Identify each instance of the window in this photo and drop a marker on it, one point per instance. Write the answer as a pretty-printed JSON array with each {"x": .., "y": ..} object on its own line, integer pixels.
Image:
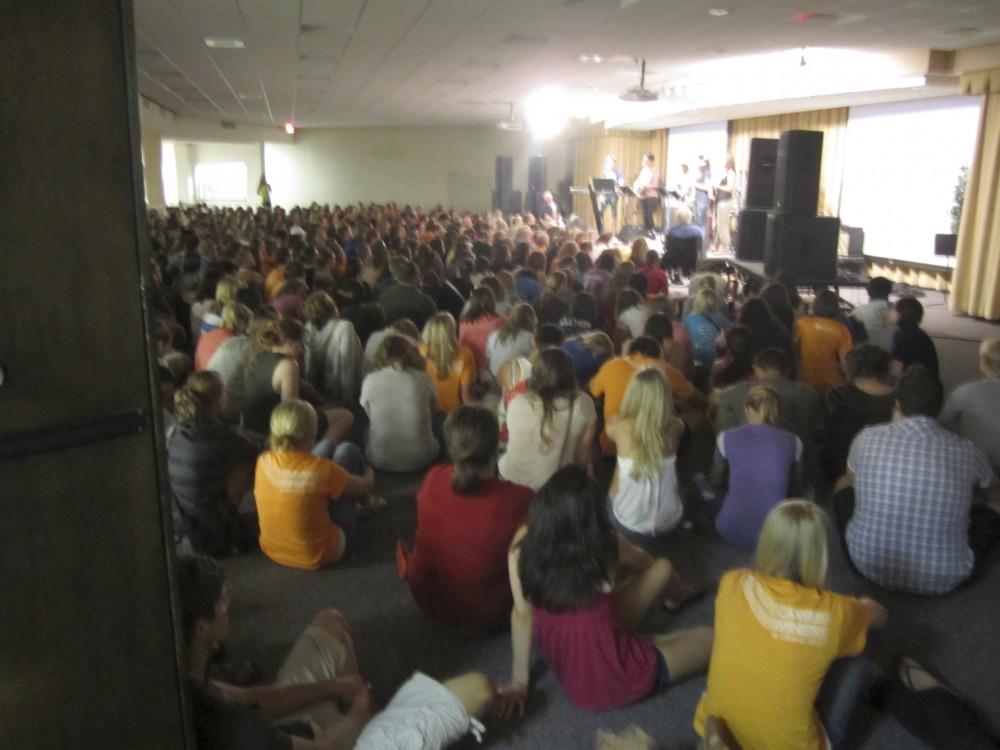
[{"x": 222, "y": 182}]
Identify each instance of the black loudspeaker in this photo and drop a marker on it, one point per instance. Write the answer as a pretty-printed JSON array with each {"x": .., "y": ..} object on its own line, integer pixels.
[
  {"x": 536, "y": 174},
  {"x": 504, "y": 175},
  {"x": 796, "y": 185},
  {"x": 945, "y": 245},
  {"x": 804, "y": 247},
  {"x": 760, "y": 174},
  {"x": 513, "y": 203},
  {"x": 751, "y": 234}
]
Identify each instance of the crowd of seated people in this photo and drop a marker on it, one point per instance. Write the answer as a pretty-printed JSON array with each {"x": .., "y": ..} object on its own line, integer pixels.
[{"x": 566, "y": 406}]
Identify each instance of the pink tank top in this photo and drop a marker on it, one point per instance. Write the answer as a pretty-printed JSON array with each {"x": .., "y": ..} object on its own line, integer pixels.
[{"x": 599, "y": 663}]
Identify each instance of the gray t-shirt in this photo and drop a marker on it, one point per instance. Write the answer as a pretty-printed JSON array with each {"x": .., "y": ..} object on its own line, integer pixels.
[
  {"x": 399, "y": 403},
  {"x": 971, "y": 411},
  {"x": 877, "y": 319}
]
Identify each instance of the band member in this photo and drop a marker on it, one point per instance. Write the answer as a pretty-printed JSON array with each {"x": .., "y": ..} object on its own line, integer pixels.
[
  {"x": 646, "y": 187},
  {"x": 685, "y": 186},
  {"x": 724, "y": 194},
  {"x": 702, "y": 192},
  {"x": 549, "y": 214},
  {"x": 604, "y": 200}
]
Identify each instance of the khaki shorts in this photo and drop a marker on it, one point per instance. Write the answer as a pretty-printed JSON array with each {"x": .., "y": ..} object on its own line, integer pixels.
[{"x": 316, "y": 656}]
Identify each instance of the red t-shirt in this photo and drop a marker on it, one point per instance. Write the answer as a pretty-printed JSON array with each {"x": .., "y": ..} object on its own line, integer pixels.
[
  {"x": 458, "y": 568},
  {"x": 656, "y": 280}
]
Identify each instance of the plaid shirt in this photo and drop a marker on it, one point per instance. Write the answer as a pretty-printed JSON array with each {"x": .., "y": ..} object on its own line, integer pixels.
[{"x": 913, "y": 490}]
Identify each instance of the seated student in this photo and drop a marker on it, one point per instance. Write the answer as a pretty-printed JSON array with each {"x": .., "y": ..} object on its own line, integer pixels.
[
  {"x": 906, "y": 505},
  {"x": 631, "y": 312},
  {"x": 764, "y": 464},
  {"x": 684, "y": 241},
  {"x": 404, "y": 298},
  {"x": 866, "y": 399},
  {"x": 736, "y": 363},
  {"x": 589, "y": 351},
  {"x": 876, "y": 314},
  {"x": 550, "y": 426},
  {"x": 931, "y": 711},
  {"x": 782, "y": 673},
  {"x": 234, "y": 321},
  {"x": 209, "y": 464},
  {"x": 515, "y": 375},
  {"x": 613, "y": 378},
  {"x": 307, "y": 504},
  {"x": 319, "y": 700},
  {"x": 582, "y": 315},
  {"x": 478, "y": 322},
  {"x": 822, "y": 342},
  {"x": 399, "y": 397},
  {"x": 334, "y": 357},
  {"x": 452, "y": 368},
  {"x": 645, "y": 498},
  {"x": 515, "y": 339},
  {"x": 705, "y": 324},
  {"x": 466, "y": 518},
  {"x": 972, "y": 408},
  {"x": 768, "y": 332},
  {"x": 656, "y": 279},
  {"x": 678, "y": 353},
  {"x": 562, "y": 577},
  {"x": 404, "y": 327},
  {"x": 910, "y": 344}
]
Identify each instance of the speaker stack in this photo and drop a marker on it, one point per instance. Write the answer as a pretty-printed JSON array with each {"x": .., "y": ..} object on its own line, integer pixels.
[
  {"x": 505, "y": 198},
  {"x": 752, "y": 231},
  {"x": 536, "y": 184}
]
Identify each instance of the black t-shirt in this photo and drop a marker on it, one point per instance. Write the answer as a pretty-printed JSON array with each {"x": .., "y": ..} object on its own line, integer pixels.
[
  {"x": 911, "y": 346},
  {"x": 400, "y": 301},
  {"x": 849, "y": 410},
  {"x": 222, "y": 725}
]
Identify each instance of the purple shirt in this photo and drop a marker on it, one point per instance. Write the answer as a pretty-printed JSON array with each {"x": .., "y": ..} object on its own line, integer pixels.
[{"x": 761, "y": 458}]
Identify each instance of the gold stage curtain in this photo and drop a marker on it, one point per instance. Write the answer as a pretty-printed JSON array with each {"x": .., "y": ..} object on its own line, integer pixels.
[
  {"x": 832, "y": 123},
  {"x": 628, "y": 148},
  {"x": 976, "y": 285}
]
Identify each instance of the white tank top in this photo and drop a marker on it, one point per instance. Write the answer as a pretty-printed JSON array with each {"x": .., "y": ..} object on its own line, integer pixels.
[{"x": 648, "y": 505}]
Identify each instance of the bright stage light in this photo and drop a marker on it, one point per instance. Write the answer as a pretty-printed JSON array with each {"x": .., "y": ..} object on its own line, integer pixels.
[
  {"x": 547, "y": 110},
  {"x": 289, "y": 128}
]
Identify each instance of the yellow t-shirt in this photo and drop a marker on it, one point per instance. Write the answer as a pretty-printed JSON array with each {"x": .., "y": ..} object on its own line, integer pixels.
[
  {"x": 293, "y": 492},
  {"x": 273, "y": 283},
  {"x": 612, "y": 380},
  {"x": 774, "y": 642},
  {"x": 449, "y": 390},
  {"x": 822, "y": 342}
]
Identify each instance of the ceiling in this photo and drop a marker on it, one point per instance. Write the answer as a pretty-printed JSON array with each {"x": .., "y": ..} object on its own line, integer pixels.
[{"x": 423, "y": 62}]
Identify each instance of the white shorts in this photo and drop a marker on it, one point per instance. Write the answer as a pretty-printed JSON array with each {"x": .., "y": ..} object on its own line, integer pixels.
[{"x": 422, "y": 715}]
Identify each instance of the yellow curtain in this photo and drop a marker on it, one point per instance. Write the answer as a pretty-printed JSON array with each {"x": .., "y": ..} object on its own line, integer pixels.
[
  {"x": 976, "y": 283},
  {"x": 832, "y": 123},
  {"x": 628, "y": 148}
]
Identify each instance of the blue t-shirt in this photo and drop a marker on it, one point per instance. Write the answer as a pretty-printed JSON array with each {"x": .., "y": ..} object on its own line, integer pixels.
[
  {"x": 704, "y": 330},
  {"x": 586, "y": 362},
  {"x": 527, "y": 287},
  {"x": 760, "y": 460}
]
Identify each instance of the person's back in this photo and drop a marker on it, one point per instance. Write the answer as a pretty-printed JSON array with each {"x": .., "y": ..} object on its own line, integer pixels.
[
  {"x": 257, "y": 390},
  {"x": 876, "y": 314},
  {"x": 971, "y": 410},
  {"x": 910, "y": 343},
  {"x": 822, "y": 344},
  {"x": 334, "y": 359},
  {"x": 398, "y": 402}
]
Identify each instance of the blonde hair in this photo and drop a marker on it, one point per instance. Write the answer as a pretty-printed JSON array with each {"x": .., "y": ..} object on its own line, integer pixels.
[
  {"x": 320, "y": 309},
  {"x": 293, "y": 425},
  {"x": 793, "y": 544},
  {"x": 236, "y": 317},
  {"x": 441, "y": 342},
  {"x": 194, "y": 402},
  {"x": 225, "y": 290},
  {"x": 766, "y": 402},
  {"x": 649, "y": 404},
  {"x": 704, "y": 302},
  {"x": 989, "y": 353},
  {"x": 522, "y": 318}
]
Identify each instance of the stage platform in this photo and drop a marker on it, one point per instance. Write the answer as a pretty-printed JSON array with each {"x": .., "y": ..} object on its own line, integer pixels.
[{"x": 850, "y": 271}]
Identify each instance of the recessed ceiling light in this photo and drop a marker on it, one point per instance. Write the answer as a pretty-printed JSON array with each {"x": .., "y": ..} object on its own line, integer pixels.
[
  {"x": 249, "y": 97},
  {"x": 585, "y": 58},
  {"x": 224, "y": 42},
  {"x": 718, "y": 12}
]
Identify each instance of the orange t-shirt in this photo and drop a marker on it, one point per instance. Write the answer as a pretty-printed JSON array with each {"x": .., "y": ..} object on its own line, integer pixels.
[
  {"x": 272, "y": 285},
  {"x": 449, "y": 390},
  {"x": 293, "y": 491},
  {"x": 822, "y": 343},
  {"x": 774, "y": 643},
  {"x": 612, "y": 380}
]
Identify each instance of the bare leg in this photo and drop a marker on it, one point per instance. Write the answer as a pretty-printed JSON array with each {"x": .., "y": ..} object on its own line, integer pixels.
[
  {"x": 648, "y": 587},
  {"x": 339, "y": 423},
  {"x": 686, "y": 651},
  {"x": 474, "y": 690}
]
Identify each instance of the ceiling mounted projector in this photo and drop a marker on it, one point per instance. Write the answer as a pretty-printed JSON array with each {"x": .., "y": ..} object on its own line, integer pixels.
[
  {"x": 640, "y": 93},
  {"x": 511, "y": 123}
]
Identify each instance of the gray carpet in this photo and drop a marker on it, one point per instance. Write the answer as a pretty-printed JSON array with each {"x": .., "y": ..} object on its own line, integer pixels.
[{"x": 957, "y": 635}]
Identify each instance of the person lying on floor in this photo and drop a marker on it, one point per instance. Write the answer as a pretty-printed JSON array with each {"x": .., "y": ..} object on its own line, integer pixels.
[
  {"x": 787, "y": 667},
  {"x": 561, "y": 568},
  {"x": 319, "y": 700},
  {"x": 466, "y": 518}
]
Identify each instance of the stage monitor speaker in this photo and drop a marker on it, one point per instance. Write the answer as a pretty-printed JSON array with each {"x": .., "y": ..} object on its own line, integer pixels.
[
  {"x": 803, "y": 247},
  {"x": 760, "y": 174},
  {"x": 751, "y": 234},
  {"x": 536, "y": 174},
  {"x": 504, "y": 175},
  {"x": 945, "y": 245},
  {"x": 796, "y": 185}
]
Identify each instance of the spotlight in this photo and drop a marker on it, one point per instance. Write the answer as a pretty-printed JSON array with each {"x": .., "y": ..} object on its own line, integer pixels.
[{"x": 289, "y": 128}]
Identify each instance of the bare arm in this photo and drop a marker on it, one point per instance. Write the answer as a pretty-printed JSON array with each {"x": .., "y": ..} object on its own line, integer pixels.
[
  {"x": 281, "y": 701},
  {"x": 877, "y": 614},
  {"x": 583, "y": 448},
  {"x": 358, "y": 486},
  {"x": 467, "y": 393},
  {"x": 285, "y": 379},
  {"x": 511, "y": 697}
]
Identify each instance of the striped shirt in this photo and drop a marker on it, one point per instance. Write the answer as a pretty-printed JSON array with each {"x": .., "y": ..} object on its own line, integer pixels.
[{"x": 913, "y": 489}]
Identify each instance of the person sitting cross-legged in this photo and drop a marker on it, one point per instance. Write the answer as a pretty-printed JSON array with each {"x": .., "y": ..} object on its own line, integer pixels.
[
  {"x": 319, "y": 700},
  {"x": 907, "y": 506},
  {"x": 971, "y": 410}
]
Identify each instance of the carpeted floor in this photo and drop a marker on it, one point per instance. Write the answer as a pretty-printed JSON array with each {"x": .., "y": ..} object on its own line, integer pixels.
[{"x": 958, "y": 635}]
